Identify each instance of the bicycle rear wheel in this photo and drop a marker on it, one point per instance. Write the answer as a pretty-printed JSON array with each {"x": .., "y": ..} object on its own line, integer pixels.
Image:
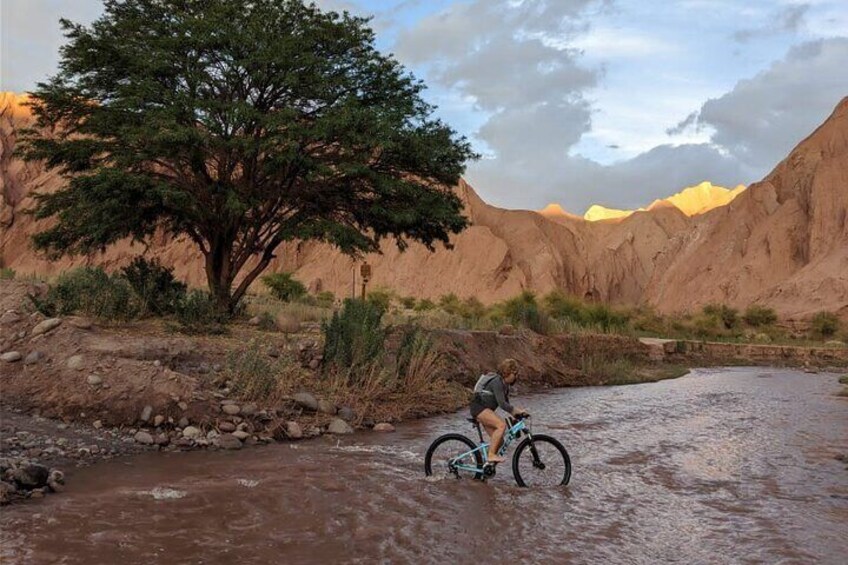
[
  {"x": 446, "y": 450},
  {"x": 542, "y": 461}
]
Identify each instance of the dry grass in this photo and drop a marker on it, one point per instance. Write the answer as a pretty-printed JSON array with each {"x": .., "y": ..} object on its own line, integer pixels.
[
  {"x": 300, "y": 312},
  {"x": 625, "y": 372}
]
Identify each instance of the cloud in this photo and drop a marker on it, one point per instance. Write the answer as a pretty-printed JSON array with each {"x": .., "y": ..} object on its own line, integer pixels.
[
  {"x": 788, "y": 20},
  {"x": 762, "y": 118}
]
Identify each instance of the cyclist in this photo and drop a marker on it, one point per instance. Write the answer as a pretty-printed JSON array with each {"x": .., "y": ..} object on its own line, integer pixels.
[{"x": 490, "y": 393}]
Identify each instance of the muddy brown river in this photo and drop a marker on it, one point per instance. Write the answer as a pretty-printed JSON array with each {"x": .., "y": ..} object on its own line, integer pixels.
[{"x": 720, "y": 466}]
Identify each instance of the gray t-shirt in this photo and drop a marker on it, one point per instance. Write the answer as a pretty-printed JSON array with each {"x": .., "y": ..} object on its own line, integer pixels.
[{"x": 492, "y": 392}]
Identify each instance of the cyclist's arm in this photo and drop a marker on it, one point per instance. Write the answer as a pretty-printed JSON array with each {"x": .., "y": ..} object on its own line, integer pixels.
[{"x": 499, "y": 391}]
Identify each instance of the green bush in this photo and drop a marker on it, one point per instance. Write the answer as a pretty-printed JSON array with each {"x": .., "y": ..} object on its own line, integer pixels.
[
  {"x": 354, "y": 336},
  {"x": 605, "y": 317},
  {"x": 407, "y": 302},
  {"x": 523, "y": 310},
  {"x": 424, "y": 305},
  {"x": 757, "y": 316},
  {"x": 197, "y": 313},
  {"x": 325, "y": 299},
  {"x": 154, "y": 285},
  {"x": 472, "y": 309},
  {"x": 284, "y": 287},
  {"x": 728, "y": 316},
  {"x": 380, "y": 298},
  {"x": 451, "y": 304},
  {"x": 825, "y": 324},
  {"x": 7, "y": 274},
  {"x": 252, "y": 375},
  {"x": 560, "y": 306},
  {"x": 90, "y": 291}
]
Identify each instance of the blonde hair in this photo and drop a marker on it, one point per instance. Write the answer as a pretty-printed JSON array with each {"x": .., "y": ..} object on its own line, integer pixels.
[{"x": 508, "y": 366}]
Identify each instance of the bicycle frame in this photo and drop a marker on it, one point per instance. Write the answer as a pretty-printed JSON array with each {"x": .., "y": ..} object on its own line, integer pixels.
[{"x": 511, "y": 434}]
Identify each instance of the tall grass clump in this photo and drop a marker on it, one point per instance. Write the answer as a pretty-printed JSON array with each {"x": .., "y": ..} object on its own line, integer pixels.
[
  {"x": 524, "y": 310},
  {"x": 353, "y": 337},
  {"x": 284, "y": 287},
  {"x": 7, "y": 274},
  {"x": 90, "y": 291},
  {"x": 381, "y": 299},
  {"x": 727, "y": 316},
  {"x": 197, "y": 313},
  {"x": 561, "y": 306},
  {"x": 758, "y": 316},
  {"x": 157, "y": 289},
  {"x": 825, "y": 325}
]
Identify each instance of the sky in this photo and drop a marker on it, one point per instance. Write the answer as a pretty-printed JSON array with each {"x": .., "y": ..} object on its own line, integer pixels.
[{"x": 577, "y": 102}]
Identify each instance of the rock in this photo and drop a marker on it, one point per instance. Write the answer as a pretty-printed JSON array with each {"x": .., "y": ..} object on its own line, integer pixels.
[
  {"x": 31, "y": 475},
  {"x": 10, "y": 317},
  {"x": 293, "y": 430},
  {"x": 94, "y": 380},
  {"x": 162, "y": 439},
  {"x": 226, "y": 427},
  {"x": 326, "y": 407},
  {"x": 146, "y": 413},
  {"x": 229, "y": 441},
  {"x": 182, "y": 406},
  {"x": 46, "y": 326},
  {"x": 80, "y": 323},
  {"x": 212, "y": 434},
  {"x": 75, "y": 362},
  {"x": 183, "y": 422},
  {"x": 191, "y": 432},
  {"x": 158, "y": 420},
  {"x": 97, "y": 424},
  {"x": 11, "y": 356},
  {"x": 254, "y": 321},
  {"x": 338, "y": 426},
  {"x": 7, "y": 491},
  {"x": 314, "y": 364},
  {"x": 249, "y": 409},
  {"x": 273, "y": 352},
  {"x": 241, "y": 434},
  {"x": 507, "y": 329},
  {"x": 347, "y": 414},
  {"x": 143, "y": 438},
  {"x": 384, "y": 427},
  {"x": 231, "y": 409},
  {"x": 306, "y": 400},
  {"x": 33, "y": 357}
]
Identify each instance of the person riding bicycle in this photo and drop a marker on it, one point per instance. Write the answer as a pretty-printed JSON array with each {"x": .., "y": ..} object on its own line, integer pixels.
[{"x": 490, "y": 393}]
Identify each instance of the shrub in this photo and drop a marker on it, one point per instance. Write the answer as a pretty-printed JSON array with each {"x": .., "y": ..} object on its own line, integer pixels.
[
  {"x": 424, "y": 305},
  {"x": 604, "y": 317},
  {"x": 472, "y": 309},
  {"x": 251, "y": 373},
  {"x": 325, "y": 299},
  {"x": 757, "y": 316},
  {"x": 407, "y": 302},
  {"x": 825, "y": 324},
  {"x": 523, "y": 310},
  {"x": 728, "y": 316},
  {"x": 197, "y": 313},
  {"x": 354, "y": 336},
  {"x": 451, "y": 304},
  {"x": 563, "y": 307},
  {"x": 7, "y": 274},
  {"x": 90, "y": 291},
  {"x": 284, "y": 287},
  {"x": 380, "y": 298},
  {"x": 157, "y": 289}
]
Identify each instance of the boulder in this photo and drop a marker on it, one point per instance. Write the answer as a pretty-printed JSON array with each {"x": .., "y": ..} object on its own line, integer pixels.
[
  {"x": 241, "y": 434},
  {"x": 75, "y": 362},
  {"x": 347, "y": 414},
  {"x": 326, "y": 407},
  {"x": 191, "y": 432},
  {"x": 231, "y": 409},
  {"x": 226, "y": 427},
  {"x": 11, "y": 357},
  {"x": 33, "y": 357},
  {"x": 143, "y": 438},
  {"x": 384, "y": 427},
  {"x": 228, "y": 441},
  {"x": 293, "y": 430},
  {"x": 158, "y": 420},
  {"x": 249, "y": 409},
  {"x": 10, "y": 317},
  {"x": 7, "y": 490},
  {"x": 46, "y": 326},
  {"x": 146, "y": 413},
  {"x": 94, "y": 380},
  {"x": 31, "y": 475},
  {"x": 339, "y": 427},
  {"x": 306, "y": 400}
]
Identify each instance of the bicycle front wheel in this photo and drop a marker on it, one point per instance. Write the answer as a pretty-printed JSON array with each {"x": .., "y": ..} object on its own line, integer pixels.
[
  {"x": 448, "y": 451},
  {"x": 541, "y": 461}
]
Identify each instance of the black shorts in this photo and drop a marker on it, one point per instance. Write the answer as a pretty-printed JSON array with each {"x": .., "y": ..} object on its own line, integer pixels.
[{"x": 476, "y": 407}]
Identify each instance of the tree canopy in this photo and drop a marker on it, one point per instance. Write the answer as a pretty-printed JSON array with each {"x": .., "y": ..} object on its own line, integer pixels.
[{"x": 240, "y": 125}]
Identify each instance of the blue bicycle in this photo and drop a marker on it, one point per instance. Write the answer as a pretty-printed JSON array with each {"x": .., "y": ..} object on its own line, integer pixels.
[{"x": 539, "y": 460}]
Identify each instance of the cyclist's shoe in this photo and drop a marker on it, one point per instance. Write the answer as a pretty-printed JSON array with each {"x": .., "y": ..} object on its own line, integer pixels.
[{"x": 494, "y": 459}]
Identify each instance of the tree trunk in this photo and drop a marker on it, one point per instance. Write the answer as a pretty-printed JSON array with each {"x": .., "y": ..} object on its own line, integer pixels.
[{"x": 219, "y": 277}]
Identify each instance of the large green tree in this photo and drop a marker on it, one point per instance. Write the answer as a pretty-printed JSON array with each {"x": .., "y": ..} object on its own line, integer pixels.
[{"x": 241, "y": 125}]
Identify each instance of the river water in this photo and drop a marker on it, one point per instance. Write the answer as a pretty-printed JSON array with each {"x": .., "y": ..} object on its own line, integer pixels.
[{"x": 720, "y": 466}]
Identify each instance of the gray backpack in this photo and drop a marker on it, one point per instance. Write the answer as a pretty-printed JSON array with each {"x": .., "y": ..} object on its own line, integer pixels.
[{"x": 483, "y": 382}]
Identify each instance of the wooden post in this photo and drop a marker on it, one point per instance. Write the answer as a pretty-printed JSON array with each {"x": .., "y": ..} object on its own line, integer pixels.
[{"x": 365, "y": 273}]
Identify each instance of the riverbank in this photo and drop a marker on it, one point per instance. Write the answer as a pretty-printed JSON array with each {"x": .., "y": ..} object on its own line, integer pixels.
[{"x": 75, "y": 391}]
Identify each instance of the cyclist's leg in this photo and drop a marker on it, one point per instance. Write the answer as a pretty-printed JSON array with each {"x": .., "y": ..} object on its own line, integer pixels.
[{"x": 495, "y": 427}]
